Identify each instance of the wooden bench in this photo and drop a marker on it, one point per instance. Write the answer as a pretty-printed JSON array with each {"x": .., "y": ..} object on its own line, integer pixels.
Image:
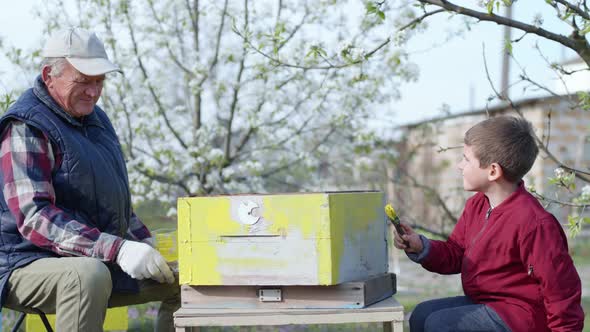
[{"x": 389, "y": 312}]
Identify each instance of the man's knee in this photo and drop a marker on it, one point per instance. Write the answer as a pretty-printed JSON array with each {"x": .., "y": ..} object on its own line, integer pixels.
[{"x": 90, "y": 275}]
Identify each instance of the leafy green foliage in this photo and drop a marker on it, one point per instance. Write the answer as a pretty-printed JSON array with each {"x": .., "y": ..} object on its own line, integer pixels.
[
  {"x": 584, "y": 97},
  {"x": 374, "y": 8},
  {"x": 5, "y": 102},
  {"x": 564, "y": 179}
]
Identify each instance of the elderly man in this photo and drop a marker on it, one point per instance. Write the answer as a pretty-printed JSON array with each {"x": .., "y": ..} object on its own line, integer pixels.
[{"x": 70, "y": 243}]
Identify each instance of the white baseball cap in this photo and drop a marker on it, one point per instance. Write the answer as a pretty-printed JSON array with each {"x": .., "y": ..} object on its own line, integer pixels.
[{"x": 83, "y": 50}]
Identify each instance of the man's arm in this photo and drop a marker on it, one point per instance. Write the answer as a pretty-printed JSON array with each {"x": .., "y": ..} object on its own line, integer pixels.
[
  {"x": 137, "y": 231},
  {"x": 27, "y": 161},
  {"x": 544, "y": 252}
]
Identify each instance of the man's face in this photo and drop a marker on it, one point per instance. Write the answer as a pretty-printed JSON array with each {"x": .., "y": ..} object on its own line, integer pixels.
[
  {"x": 475, "y": 178},
  {"x": 75, "y": 92}
]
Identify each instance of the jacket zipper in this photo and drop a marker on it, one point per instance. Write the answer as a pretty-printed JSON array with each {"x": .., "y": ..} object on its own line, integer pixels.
[{"x": 485, "y": 223}]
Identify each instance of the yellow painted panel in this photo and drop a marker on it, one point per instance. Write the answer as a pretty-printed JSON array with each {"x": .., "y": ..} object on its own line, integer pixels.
[
  {"x": 116, "y": 320},
  {"x": 360, "y": 225},
  {"x": 325, "y": 261},
  {"x": 286, "y": 239},
  {"x": 210, "y": 217},
  {"x": 184, "y": 241},
  {"x": 196, "y": 223},
  {"x": 304, "y": 213}
]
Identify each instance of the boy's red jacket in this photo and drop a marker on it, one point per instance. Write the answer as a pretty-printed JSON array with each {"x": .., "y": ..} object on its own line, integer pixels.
[{"x": 516, "y": 261}]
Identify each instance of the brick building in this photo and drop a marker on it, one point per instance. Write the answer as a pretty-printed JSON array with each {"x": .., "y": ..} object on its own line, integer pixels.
[{"x": 427, "y": 173}]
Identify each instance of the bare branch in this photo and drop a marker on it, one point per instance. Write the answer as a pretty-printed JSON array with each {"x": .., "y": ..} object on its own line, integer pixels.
[
  {"x": 582, "y": 175},
  {"x": 556, "y": 201},
  {"x": 300, "y": 159},
  {"x": 279, "y": 62},
  {"x": 501, "y": 95},
  {"x": 171, "y": 54},
  {"x": 163, "y": 179},
  {"x": 237, "y": 85},
  {"x": 193, "y": 13},
  {"x": 218, "y": 38},
  {"x": 575, "y": 9},
  {"x": 577, "y": 43},
  {"x": 432, "y": 191},
  {"x": 295, "y": 29},
  {"x": 160, "y": 106},
  {"x": 444, "y": 149}
]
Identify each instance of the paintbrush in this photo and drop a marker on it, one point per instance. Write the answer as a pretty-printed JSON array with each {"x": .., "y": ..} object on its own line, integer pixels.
[{"x": 392, "y": 216}]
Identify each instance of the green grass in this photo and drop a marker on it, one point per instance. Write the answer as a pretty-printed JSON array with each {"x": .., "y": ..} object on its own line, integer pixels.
[{"x": 580, "y": 251}]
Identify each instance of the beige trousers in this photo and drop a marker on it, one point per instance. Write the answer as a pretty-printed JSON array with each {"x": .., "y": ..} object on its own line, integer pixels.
[{"x": 78, "y": 291}]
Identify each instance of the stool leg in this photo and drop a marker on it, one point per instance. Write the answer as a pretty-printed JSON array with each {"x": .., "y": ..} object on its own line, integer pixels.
[
  {"x": 19, "y": 321},
  {"x": 45, "y": 322},
  {"x": 387, "y": 326}
]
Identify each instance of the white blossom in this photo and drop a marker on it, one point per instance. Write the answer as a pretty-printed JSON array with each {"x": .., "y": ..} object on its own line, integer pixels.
[
  {"x": 357, "y": 54},
  {"x": 364, "y": 161},
  {"x": 344, "y": 46},
  {"x": 559, "y": 172},
  {"x": 171, "y": 212},
  {"x": 215, "y": 154},
  {"x": 399, "y": 37},
  {"x": 315, "y": 43},
  {"x": 228, "y": 172}
]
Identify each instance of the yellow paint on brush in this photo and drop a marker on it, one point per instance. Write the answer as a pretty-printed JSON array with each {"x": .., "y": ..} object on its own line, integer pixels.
[{"x": 390, "y": 211}]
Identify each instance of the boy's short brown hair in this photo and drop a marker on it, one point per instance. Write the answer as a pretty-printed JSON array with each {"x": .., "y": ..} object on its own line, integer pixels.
[{"x": 506, "y": 140}]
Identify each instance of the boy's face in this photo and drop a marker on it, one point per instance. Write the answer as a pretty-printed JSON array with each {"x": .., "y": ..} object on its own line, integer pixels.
[{"x": 475, "y": 178}]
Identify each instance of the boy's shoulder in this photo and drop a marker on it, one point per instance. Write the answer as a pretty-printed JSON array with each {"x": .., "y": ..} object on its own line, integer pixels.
[{"x": 521, "y": 206}]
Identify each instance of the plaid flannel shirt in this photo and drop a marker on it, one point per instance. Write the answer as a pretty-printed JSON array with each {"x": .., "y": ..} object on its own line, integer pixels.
[{"x": 28, "y": 160}]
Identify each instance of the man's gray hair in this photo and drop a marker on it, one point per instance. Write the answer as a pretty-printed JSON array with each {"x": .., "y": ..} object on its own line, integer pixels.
[{"x": 56, "y": 64}]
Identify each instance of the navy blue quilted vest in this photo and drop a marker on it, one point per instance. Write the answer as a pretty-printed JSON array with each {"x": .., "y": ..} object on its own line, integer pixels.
[{"x": 91, "y": 183}]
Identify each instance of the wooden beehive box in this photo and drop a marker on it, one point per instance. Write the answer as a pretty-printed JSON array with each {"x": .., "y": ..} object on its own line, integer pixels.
[{"x": 287, "y": 239}]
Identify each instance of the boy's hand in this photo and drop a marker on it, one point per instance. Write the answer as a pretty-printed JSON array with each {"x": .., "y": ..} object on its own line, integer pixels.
[{"x": 413, "y": 243}]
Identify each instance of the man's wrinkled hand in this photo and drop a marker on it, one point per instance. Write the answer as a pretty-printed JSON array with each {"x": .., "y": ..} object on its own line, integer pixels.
[{"x": 141, "y": 261}]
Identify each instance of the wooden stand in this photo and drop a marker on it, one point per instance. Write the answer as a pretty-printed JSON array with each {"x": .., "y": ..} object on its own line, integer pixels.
[
  {"x": 351, "y": 302},
  {"x": 388, "y": 311},
  {"x": 348, "y": 295}
]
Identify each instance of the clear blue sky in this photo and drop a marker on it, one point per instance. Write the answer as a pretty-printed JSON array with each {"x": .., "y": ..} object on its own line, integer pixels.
[{"x": 451, "y": 74}]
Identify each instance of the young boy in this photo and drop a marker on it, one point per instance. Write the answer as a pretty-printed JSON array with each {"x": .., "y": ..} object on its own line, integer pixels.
[{"x": 513, "y": 258}]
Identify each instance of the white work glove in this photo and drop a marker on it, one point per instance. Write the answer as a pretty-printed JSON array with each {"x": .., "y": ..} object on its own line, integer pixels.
[{"x": 141, "y": 261}]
